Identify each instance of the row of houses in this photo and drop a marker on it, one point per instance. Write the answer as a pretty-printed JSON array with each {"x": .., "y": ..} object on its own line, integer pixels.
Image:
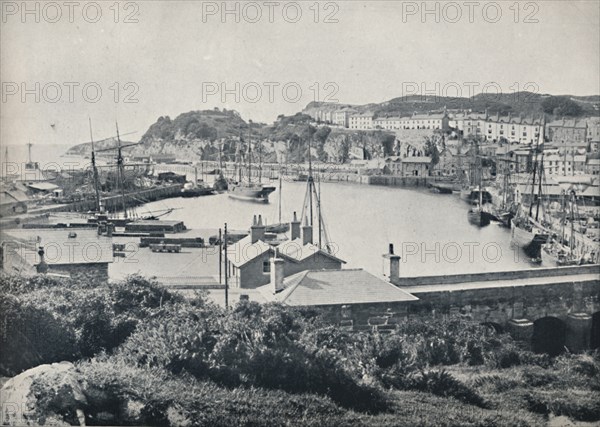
[{"x": 489, "y": 127}]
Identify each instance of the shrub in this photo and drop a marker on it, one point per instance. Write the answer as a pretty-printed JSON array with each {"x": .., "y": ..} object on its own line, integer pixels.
[
  {"x": 31, "y": 336},
  {"x": 441, "y": 383}
]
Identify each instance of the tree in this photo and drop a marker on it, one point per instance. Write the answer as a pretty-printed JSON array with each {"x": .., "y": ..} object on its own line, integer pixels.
[
  {"x": 561, "y": 106},
  {"x": 432, "y": 151}
]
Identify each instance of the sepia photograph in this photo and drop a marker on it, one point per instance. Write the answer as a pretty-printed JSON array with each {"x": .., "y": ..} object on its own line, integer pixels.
[{"x": 315, "y": 213}]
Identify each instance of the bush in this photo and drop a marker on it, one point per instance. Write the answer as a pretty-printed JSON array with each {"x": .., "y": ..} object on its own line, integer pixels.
[
  {"x": 441, "y": 383},
  {"x": 31, "y": 336}
]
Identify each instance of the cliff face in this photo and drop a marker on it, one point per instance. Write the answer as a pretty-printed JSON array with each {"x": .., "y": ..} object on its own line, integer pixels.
[{"x": 197, "y": 135}]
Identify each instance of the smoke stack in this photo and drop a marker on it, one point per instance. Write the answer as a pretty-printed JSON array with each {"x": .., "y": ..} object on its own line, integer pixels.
[
  {"x": 307, "y": 233},
  {"x": 277, "y": 273},
  {"x": 295, "y": 228},
  {"x": 391, "y": 265},
  {"x": 257, "y": 231}
]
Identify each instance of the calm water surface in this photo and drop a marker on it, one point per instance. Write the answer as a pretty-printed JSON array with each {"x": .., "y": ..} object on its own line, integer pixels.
[{"x": 429, "y": 231}]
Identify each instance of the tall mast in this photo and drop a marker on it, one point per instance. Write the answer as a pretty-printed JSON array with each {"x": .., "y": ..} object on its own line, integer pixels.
[
  {"x": 539, "y": 198},
  {"x": 280, "y": 195},
  {"x": 259, "y": 162},
  {"x": 29, "y": 150},
  {"x": 535, "y": 161},
  {"x": 94, "y": 168},
  {"x": 319, "y": 208},
  {"x": 249, "y": 157},
  {"x": 121, "y": 171},
  {"x": 310, "y": 184}
]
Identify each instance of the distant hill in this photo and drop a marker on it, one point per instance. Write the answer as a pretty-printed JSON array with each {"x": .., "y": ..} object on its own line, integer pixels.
[{"x": 525, "y": 103}]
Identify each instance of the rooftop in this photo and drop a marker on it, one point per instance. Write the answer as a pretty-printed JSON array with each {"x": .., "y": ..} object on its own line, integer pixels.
[{"x": 335, "y": 287}]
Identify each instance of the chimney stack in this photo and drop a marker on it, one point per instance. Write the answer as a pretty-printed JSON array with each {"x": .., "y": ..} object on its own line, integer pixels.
[
  {"x": 295, "y": 228},
  {"x": 257, "y": 231},
  {"x": 42, "y": 267},
  {"x": 307, "y": 233},
  {"x": 109, "y": 229},
  {"x": 277, "y": 273},
  {"x": 391, "y": 265}
]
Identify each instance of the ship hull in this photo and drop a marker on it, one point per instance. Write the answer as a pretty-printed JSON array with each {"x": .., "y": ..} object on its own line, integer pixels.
[
  {"x": 258, "y": 194},
  {"x": 479, "y": 218},
  {"x": 472, "y": 196},
  {"x": 519, "y": 236},
  {"x": 197, "y": 192}
]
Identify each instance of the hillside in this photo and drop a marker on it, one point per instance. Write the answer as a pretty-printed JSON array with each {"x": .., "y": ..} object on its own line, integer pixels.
[{"x": 526, "y": 103}]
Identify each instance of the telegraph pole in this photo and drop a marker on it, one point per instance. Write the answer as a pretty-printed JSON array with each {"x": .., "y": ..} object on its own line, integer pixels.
[
  {"x": 226, "y": 269},
  {"x": 220, "y": 256}
]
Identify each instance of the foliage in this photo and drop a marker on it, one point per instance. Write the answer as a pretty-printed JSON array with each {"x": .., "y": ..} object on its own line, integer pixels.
[{"x": 561, "y": 106}]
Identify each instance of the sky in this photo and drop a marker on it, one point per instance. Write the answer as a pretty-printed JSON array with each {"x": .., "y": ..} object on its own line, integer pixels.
[{"x": 132, "y": 62}]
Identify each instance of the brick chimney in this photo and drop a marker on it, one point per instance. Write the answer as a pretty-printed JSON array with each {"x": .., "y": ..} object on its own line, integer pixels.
[
  {"x": 307, "y": 233},
  {"x": 277, "y": 273},
  {"x": 295, "y": 227},
  {"x": 391, "y": 265},
  {"x": 257, "y": 231}
]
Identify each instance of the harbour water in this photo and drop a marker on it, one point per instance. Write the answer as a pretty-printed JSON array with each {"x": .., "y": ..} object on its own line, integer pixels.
[{"x": 429, "y": 231}]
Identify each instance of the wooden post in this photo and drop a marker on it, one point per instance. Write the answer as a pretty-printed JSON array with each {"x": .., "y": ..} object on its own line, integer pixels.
[{"x": 226, "y": 269}]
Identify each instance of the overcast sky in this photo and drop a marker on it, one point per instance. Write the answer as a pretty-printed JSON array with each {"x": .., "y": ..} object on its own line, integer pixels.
[{"x": 179, "y": 56}]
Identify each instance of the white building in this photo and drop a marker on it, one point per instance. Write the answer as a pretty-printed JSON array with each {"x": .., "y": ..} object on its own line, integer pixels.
[{"x": 361, "y": 121}]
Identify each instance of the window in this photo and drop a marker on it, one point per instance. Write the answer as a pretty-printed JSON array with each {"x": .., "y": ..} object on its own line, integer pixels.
[{"x": 266, "y": 266}]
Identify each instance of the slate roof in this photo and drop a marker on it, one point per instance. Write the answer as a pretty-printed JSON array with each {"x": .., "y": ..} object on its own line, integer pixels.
[
  {"x": 335, "y": 287},
  {"x": 43, "y": 186},
  {"x": 86, "y": 247},
  {"x": 243, "y": 251},
  {"x": 9, "y": 197},
  {"x": 295, "y": 251}
]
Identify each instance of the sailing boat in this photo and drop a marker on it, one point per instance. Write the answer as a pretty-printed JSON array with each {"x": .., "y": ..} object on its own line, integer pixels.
[
  {"x": 100, "y": 215},
  {"x": 526, "y": 230},
  {"x": 563, "y": 251},
  {"x": 470, "y": 193},
  {"x": 311, "y": 209},
  {"x": 220, "y": 183},
  {"x": 249, "y": 191},
  {"x": 279, "y": 227},
  {"x": 477, "y": 215}
]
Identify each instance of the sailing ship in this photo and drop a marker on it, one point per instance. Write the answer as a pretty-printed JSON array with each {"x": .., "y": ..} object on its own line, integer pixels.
[
  {"x": 195, "y": 189},
  {"x": 99, "y": 215},
  {"x": 249, "y": 191},
  {"x": 470, "y": 192},
  {"x": 477, "y": 215},
  {"x": 527, "y": 231},
  {"x": 566, "y": 250}
]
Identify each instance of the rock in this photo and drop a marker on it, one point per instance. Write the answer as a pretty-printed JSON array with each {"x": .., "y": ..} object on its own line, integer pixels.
[{"x": 21, "y": 405}]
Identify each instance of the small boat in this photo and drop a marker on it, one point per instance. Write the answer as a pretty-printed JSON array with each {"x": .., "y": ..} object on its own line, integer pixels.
[
  {"x": 220, "y": 184},
  {"x": 472, "y": 194},
  {"x": 557, "y": 255},
  {"x": 477, "y": 216},
  {"x": 191, "y": 190}
]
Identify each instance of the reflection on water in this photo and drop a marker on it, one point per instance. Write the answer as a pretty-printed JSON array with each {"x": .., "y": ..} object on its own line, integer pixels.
[{"x": 430, "y": 231}]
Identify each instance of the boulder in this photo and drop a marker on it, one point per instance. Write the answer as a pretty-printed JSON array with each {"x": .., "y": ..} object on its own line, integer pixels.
[{"x": 23, "y": 403}]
